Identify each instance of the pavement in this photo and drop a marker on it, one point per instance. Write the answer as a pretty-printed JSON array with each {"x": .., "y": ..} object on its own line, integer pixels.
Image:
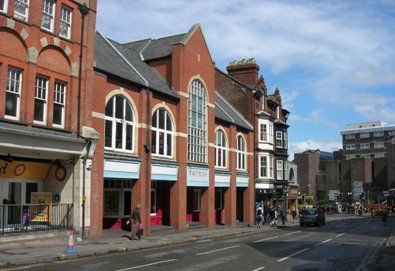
[
  {"x": 345, "y": 243},
  {"x": 52, "y": 249}
]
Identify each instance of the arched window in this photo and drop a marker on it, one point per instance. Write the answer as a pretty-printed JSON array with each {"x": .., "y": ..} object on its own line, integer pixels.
[
  {"x": 241, "y": 153},
  {"x": 220, "y": 149},
  {"x": 119, "y": 124},
  {"x": 197, "y": 134},
  {"x": 162, "y": 133}
]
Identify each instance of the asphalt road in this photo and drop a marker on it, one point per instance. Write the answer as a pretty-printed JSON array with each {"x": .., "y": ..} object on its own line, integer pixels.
[{"x": 344, "y": 243}]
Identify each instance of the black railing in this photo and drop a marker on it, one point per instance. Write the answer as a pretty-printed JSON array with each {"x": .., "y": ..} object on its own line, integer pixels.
[{"x": 18, "y": 218}]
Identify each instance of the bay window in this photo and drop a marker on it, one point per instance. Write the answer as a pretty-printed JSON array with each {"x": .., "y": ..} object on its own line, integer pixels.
[{"x": 119, "y": 127}]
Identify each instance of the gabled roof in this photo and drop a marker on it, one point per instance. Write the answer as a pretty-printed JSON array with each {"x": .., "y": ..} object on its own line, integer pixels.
[
  {"x": 114, "y": 58},
  {"x": 155, "y": 48},
  {"x": 150, "y": 49},
  {"x": 226, "y": 112}
]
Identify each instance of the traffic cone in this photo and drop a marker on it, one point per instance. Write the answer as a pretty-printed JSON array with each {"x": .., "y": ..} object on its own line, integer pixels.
[{"x": 70, "y": 244}]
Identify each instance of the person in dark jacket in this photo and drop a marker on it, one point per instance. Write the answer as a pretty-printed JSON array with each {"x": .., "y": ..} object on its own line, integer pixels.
[{"x": 135, "y": 221}]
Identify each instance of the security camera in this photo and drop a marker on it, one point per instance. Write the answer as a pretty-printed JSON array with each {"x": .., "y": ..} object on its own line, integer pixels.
[{"x": 88, "y": 164}]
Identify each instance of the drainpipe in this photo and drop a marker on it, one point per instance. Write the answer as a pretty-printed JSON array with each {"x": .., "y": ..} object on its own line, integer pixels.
[{"x": 84, "y": 11}]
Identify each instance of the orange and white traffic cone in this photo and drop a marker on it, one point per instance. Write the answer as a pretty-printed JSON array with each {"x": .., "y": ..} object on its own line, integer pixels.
[{"x": 70, "y": 244}]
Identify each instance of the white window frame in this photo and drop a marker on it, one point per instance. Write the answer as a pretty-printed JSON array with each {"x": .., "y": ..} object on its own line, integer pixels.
[
  {"x": 364, "y": 146},
  {"x": 4, "y": 9},
  {"x": 66, "y": 11},
  {"x": 263, "y": 163},
  {"x": 379, "y": 155},
  {"x": 280, "y": 168},
  {"x": 350, "y": 136},
  {"x": 197, "y": 132},
  {"x": 378, "y": 134},
  {"x": 391, "y": 133},
  {"x": 350, "y": 147},
  {"x": 20, "y": 16},
  {"x": 364, "y": 135},
  {"x": 41, "y": 94},
  {"x": 263, "y": 132},
  {"x": 48, "y": 6},
  {"x": 285, "y": 141},
  {"x": 14, "y": 74},
  {"x": 241, "y": 153},
  {"x": 279, "y": 139},
  {"x": 379, "y": 145},
  {"x": 124, "y": 123},
  {"x": 221, "y": 149},
  {"x": 60, "y": 93},
  {"x": 197, "y": 193},
  {"x": 155, "y": 128}
]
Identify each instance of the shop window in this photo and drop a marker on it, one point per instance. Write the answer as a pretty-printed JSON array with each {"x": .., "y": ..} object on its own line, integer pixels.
[
  {"x": 119, "y": 127},
  {"x": 40, "y": 100},
  {"x": 13, "y": 93},
  {"x": 111, "y": 203},
  {"x": 127, "y": 206},
  {"x": 48, "y": 15},
  {"x": 21, "y": 9},
  {"x": 59, "y": 104},
  {"x": 30, "y": 188},
  {"x": 65, "y": 22},
  {"x": 220, "y": 149},
  {"x": 3, "y": 6},
  {"x": 279, "y": 139},
  {"x": 241, "y": 153},
  {"x": 197, "y": 136},
  {"x": 196, "y": 200},
  {"x": 153, "y": 198},
  {"x": 280, "y": 169},
  {"x": 219, "y": 199},
  {"x": 162, "y": 133}
]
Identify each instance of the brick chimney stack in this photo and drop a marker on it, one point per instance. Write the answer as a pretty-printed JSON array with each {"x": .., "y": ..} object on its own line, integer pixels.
[{"x": 246, "y": 71}]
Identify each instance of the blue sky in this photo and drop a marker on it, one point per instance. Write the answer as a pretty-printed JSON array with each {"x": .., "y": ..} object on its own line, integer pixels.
[{"x": 334, "y": 61}]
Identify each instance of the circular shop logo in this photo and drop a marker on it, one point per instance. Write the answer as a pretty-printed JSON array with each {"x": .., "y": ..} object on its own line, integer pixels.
[{"x": 19, "y": 169}]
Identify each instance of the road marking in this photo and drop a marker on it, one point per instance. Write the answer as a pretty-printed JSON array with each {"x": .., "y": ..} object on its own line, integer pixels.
[
  {"x": 269, "y": 238},
  {"x": 260, "y": 268},
  {"x": 145, "y": 265},
  {"x": 323, "y": 242},
  {"x": 216, "y": 250},
  {"x": 340, "y": 234},
  {"x": 296, "y": 253},
  {"x": 295, "y": 232}
]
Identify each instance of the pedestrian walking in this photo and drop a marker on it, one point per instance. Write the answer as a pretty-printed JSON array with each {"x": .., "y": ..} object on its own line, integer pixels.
[
  {"x": 135, "y": 221},
  {"x": 266, "y": 213},
  {"x": 272, "y": 215},
  {"x": 259, "y": 216},
  {"x": 282, "y": 214}
]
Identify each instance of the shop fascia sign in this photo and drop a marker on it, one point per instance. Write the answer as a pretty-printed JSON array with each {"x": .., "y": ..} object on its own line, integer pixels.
[
  {"x": 197, "y": 173},
  {"x": 23, "y": 170}
]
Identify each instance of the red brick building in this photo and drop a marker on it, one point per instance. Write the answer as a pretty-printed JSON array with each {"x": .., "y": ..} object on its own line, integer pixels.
[
  {"x": 168, "y": 141},
  {"x": 46, "y": 61}
]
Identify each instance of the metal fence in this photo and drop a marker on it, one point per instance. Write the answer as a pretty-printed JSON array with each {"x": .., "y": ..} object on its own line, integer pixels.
[{"x": 18, "y": 218}]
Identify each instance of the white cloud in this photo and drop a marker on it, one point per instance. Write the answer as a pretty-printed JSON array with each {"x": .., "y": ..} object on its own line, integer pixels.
[
  {"x": 298, "y": 147},
  {"x": 316, "y": 117}
]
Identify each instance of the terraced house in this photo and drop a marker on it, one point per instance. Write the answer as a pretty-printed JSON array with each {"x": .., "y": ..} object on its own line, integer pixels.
[
  {"x": 169, "y": 141},
  {"x": 46, "y": 73}
]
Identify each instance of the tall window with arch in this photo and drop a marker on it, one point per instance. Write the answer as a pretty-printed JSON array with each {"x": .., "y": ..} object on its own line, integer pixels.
[
  {"x": 120, "y": 125},
  {"x": 162, "y": 133},
  {"x": 220, "y": 149},
  {"x": 241, "y": 153},
  {"x": 197, "y": 134}
]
